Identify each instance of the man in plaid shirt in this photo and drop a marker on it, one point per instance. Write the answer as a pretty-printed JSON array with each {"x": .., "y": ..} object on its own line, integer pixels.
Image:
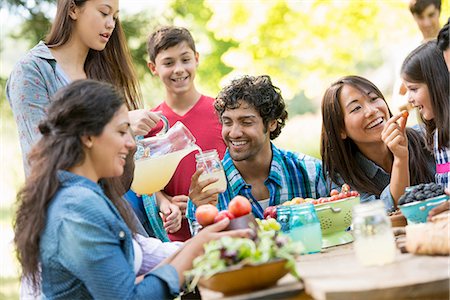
[{"x": 252, "y": 112}]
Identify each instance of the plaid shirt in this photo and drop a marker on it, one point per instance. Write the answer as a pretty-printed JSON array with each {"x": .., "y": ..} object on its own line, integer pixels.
[
  {"x": 442, "y": 157},
  {"x": 291, "y": 175}
]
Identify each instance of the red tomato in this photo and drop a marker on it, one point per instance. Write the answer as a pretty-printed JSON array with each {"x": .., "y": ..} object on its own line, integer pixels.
[
  {"x": 222, "y": 215},
  {"x": 334, "y": 192},
  {"x": 205, "y": 214},
  {"x": 239, "y": 206}
]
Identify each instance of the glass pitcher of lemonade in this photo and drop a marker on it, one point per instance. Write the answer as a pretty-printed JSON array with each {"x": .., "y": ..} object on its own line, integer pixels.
[{"x": 158, "y": 157}]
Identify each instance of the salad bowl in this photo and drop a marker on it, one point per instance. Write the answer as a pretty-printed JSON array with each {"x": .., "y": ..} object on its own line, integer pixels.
[{"x": 239, "y": 279}]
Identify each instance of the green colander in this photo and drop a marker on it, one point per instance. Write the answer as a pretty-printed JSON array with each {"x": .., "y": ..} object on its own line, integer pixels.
[{"x": 335, "y": 217}]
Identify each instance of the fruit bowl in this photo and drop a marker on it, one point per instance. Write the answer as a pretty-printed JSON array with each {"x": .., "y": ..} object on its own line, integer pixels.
[
  {"x": 239, "y": 279},
  {"x": 335, "y": 217},
  {"x": 417, "y": 212}
]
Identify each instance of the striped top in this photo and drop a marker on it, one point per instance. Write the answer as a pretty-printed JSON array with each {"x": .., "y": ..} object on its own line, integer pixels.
[
  {"x": 442, "y": 158},
  {"x": 291, "y": 175}
]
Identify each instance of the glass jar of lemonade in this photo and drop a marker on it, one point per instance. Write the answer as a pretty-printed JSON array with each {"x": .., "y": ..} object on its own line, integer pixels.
[
  {"x": 212, "y": 167},
  {"x": 305, "y": 227},
  {"x": 374, "y": 240}
]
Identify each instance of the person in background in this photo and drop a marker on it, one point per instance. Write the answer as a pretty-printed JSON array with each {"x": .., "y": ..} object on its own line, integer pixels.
[
  {"x": 174, "y": 59},
  {"x": 65, "y": 224},
  {"x": 252, "y": 112},
  {"x": 86, "y": 40},
  {"x": 364, "y": 146},
  {"x": 426, "y": 14},
  {"x": 426, "y": 77}
]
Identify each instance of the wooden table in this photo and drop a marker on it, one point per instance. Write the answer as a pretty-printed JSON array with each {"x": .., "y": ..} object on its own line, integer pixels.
[{"x": 336, "y": 274}]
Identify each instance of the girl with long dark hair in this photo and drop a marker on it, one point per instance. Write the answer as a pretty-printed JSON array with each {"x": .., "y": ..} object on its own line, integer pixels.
[{"x": 364, "y": 146}]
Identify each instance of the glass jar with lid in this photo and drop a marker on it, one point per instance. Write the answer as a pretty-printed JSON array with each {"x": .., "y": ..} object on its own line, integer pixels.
[
  {"x": 304, "y": 227},
  {"x": 374, "y": 240},
  {"x": 212, "y": 167}
]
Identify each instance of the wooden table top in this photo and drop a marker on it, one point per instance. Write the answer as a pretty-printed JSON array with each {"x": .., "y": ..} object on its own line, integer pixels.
[{"x": 336, "y": 274}]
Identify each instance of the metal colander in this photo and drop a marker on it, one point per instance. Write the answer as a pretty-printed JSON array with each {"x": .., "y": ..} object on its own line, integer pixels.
[{"x": 335, "y": 217}]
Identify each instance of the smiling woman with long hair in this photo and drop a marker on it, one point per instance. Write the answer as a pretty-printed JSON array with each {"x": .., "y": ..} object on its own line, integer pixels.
[
  {"x": 71, "y": 222},
  {"x": 364, "y": 146}
]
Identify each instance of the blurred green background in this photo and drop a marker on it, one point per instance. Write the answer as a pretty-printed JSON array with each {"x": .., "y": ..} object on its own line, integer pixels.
[{"x": 302, "y": 45}]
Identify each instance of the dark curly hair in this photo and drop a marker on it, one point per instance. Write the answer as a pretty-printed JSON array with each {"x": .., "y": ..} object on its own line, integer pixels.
[{"x": 260, "y": 93}]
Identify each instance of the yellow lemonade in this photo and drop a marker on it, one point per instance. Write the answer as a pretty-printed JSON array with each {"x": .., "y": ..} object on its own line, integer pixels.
[
  {"x": 154, "y": 173},
  {"x": 219, "y": 174}
]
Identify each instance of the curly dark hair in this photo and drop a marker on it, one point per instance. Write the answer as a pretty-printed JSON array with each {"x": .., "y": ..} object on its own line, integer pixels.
[{"x": 260, "y": 93}]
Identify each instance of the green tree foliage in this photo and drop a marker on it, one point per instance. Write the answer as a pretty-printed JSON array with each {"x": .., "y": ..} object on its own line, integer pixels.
[
  {"x": 196, "y": 15},
  {"x": 35, "y": 21},
  {"x": 302, "y": 45}
]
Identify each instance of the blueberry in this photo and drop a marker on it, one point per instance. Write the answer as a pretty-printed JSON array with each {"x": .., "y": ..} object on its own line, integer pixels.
[{"x": 420, "y": 196}]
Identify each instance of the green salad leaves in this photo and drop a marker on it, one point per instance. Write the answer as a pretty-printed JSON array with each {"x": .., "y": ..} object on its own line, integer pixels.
[{"x": 230, "y": 253}]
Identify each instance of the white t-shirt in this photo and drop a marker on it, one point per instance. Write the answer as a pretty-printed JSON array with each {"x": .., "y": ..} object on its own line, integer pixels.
[{"x": 264, "y": 203}]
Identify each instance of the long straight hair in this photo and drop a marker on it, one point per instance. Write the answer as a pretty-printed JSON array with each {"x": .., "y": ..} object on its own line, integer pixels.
[
  {"x": 82, "y": 108},
  {"x": 338, "y": 155},
  {"x": 426, "y": 64},
  {"x": 113, "y": 64}
]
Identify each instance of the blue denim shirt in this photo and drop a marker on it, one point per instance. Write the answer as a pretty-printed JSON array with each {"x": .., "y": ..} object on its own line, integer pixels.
[{"x": 86, "y": 249}]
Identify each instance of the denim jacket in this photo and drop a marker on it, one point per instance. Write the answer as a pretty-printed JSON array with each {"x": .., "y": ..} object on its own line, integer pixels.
[{"x": 86, "y": 249}]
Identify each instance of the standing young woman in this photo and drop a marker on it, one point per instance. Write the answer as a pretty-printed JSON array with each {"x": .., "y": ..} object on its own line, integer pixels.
[
  {"x": 68, "y": 227},
  {"x": 364, "y": 146},
  {"x": 85, "y": 41}
]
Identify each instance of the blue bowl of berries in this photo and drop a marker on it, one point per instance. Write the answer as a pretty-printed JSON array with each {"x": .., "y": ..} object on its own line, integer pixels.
[{"x": 418, "y": 200}]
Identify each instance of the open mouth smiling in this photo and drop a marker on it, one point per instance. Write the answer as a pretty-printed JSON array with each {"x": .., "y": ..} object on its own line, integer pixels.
[
  {"x": 179, "y": 79},
  {"x": 375, "y": 123}
]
